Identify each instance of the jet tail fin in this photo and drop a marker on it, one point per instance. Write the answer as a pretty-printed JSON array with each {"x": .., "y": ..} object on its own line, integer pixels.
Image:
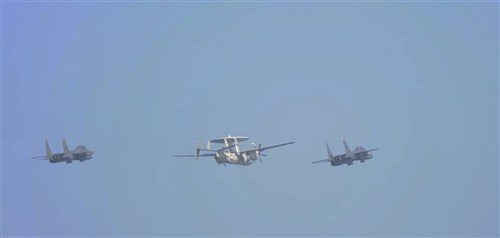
[
  {"x": 348, "y": 152},
  {"x": 66, "y": 148},
  {"x": 330, "y": 155},
  {"x": 47, "y": 149}
]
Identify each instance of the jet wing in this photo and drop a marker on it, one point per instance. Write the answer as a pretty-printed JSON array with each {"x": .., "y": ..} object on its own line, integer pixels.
[
  {"x": 38, "y": 157},
  {"x": 320, "y": 161},
  {"x": 80, "y": 153},
  {"x": 265, "y": 148},
  {"x": 363, "y": 151}
]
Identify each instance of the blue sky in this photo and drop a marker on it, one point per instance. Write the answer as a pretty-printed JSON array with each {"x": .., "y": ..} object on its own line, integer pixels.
[{"x": 139, "y": 82}]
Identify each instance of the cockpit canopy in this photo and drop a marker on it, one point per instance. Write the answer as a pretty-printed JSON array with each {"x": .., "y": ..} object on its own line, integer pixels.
[
  {"x": 359, "y": 148},
  {"x": 81, "y": 147}
]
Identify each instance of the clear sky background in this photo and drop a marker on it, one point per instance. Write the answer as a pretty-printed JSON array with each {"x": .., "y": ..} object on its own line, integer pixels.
[{"x": 139, "y": 82}]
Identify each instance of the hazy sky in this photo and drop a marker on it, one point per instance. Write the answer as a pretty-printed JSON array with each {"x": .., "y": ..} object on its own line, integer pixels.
[{"x": 139, "y": 82}]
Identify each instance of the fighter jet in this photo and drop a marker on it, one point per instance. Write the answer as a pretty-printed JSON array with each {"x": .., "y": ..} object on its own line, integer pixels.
[
  {"x": 80, "y": 153},
  {"x": 231, "y": 153},
  {"x": 348, "y": 157}
]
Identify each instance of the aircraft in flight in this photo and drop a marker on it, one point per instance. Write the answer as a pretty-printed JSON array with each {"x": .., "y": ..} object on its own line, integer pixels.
[
  {"x": 231, "y": 153},
  {"x": 80, "y": 153},
  {"x": 361, "y": 154}
]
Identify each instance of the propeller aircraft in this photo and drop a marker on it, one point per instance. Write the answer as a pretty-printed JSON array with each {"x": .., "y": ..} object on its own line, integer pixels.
[{"x": 231, "y": 153}]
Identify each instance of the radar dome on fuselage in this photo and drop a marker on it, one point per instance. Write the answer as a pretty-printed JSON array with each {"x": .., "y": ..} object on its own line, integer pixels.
[{"x": 229, "y": 139}]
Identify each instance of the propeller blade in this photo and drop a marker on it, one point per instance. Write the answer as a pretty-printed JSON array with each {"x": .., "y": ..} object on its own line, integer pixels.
[
  {"x": 255, "y": 146},
  {"x": 259, "y": 154}
]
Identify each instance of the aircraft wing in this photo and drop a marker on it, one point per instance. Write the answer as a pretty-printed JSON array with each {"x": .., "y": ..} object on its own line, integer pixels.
[
  {"x": 201, "y": 155},
  {"x": 320, "y": 161},
  {"x": 79, "y": 154},
  {"x": 274, "y": 146},
  {"x": 38, "y": 157},
  {"x": 265, "y": 148},
  {"x": 363, "y": 151},
  {"x": 43, "y": 157}
]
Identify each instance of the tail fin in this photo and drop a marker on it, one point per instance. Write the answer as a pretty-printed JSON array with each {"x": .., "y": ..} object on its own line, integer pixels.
[
  {"x": 330, "y": 155},
  {"x": 65, "y": 147},
  {"x": 47, "y": 149},
  {"x": 348, "y": 152}
]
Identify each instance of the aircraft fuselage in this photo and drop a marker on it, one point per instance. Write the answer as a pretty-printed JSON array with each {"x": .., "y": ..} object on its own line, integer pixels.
[
  {"x": 230, "y": 157},
  {"x": 344, "y": 159},
  {"x": 61, "y": 157}
]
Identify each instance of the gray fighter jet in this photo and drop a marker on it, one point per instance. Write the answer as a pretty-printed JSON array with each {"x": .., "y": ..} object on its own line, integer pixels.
[
  {"x": 349, "y": 157},
  {"x": 80, "y": 153}
]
